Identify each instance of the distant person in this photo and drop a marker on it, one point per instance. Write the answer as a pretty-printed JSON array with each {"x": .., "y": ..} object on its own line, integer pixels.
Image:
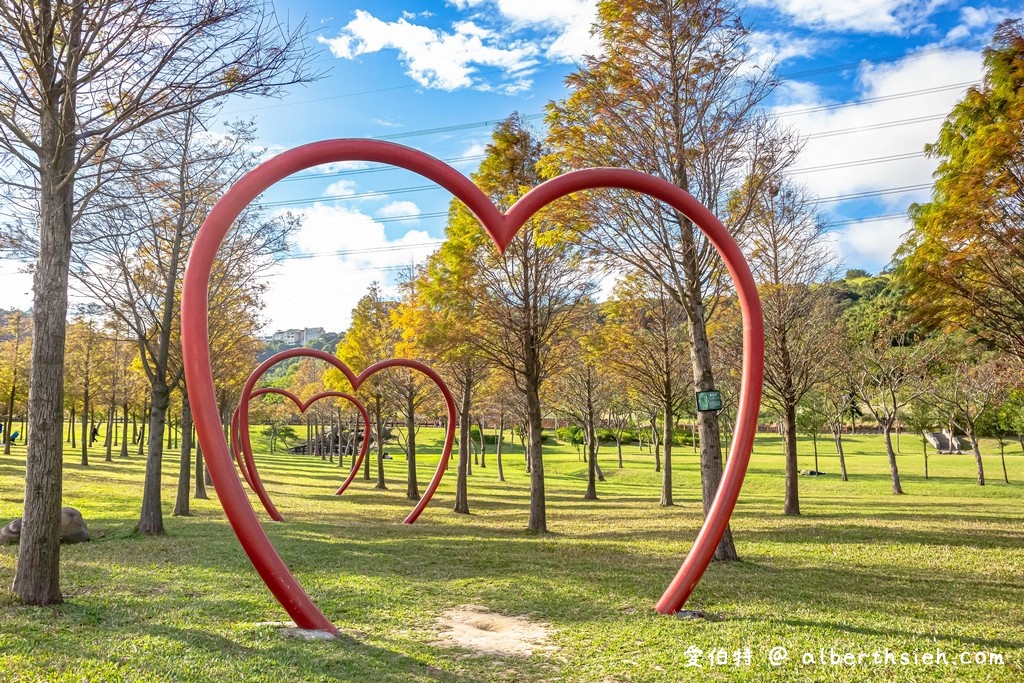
[
  {"x": 14, "y": 436},
  {"x": 95, "y": 433}
]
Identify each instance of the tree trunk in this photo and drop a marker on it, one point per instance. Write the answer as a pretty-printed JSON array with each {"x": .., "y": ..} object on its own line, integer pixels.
[
  {"x": 707, "y": 422},
  {"x": 108, "y": 440},
  {"x": 792, "y": 504},
  {"x": 200, "y": 492},
  {"x": 483, "y": 445},
  {"x": 124, "y": 431},
  {"x": 924, "y": 447},
  {"x": 151, "y": 519},
  {"x": 74, "y": 439},
  {"x": 893, "y": 470},
  {"x": 656, "y": 442},
  {"x": 181, "y": 501},
  {"x": 538, "y": 508},
  {"x": 37, "y": 577},
  {"x": 591, "y": 493},
  {"x": 412, "y": 489},
  {"x": 10, "y": 412},
  {"x": 666, "y": 473},
  {"x": 146, "y": 413},
  {"x": 85, "y": 432},
  {"x": 838, "y": 436},
  {"x": 461, "y": 480},
  {"x": 378, "y": 419},
  {"x": 977, "y": 457},
  {"x": 814, "y": 440},
  {"x": 497, "y": 448},
  {"x": 618, "y": 446},
  {"x": 1002, "y": 457}
]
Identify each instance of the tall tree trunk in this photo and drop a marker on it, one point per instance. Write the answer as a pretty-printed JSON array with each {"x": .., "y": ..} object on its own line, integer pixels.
[
  {"x": 924, "y": 447},
  {"x": 483, "y": 444},
  {"x": 707, "y": 422},
  {"x": 37, "y": 577},
  {"x": 86, "y": 436},
  {"x": 655, "y": 440},
  {"x": 71, "y": 428},
  {"x": 181, "y": 500},
  {"x": 412, "y": 489},
  {"x": 538, "y": 507},
  {"x": 1002, "y": 457},
  {"x": 591, "y": 493},
  {"x": 462, "y": 480},
  {"x": 142, "y": 428},
  {"x": 497, "y": 448},
  {"x": 378, "y": 419},
  {"x": 200, "y": 492},
  {"x": 837, "y": 435},
  {"x": 897, "y": 489},
  {"x": 977, "y": 456},
  {"x": 666, "y": 473},
  {"x": 792, "y": 504},
  {"x": 10, "y": 413},
  {"x": 108, "y": 439},
  {"x": 366, "y": 461},
  {"x": 151, "y": 518},
  {"x": 124, "y": 430}
]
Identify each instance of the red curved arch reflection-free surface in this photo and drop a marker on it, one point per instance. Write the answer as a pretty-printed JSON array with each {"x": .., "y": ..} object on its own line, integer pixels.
[{"x": 502, "y": 228}]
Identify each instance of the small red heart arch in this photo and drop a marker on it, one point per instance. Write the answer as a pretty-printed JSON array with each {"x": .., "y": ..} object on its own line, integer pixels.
[
  {"x": 502, "y": 228},
  {"x": 247, "y": 464},
  {"x": 240, "y": 420}
]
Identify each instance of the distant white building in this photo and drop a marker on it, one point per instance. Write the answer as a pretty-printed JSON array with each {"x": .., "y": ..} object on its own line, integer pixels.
[{"x": 296, "y": 337}]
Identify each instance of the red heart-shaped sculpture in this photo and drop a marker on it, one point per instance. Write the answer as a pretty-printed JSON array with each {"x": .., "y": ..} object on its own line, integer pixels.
[
  {"x": 247, "y": 464},
  {"x": 502, "y": 228},
  {"x": 355, "y": 381}
]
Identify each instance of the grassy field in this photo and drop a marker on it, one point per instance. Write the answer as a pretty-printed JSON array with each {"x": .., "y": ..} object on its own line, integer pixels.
[{"x": 940, "y": 569}]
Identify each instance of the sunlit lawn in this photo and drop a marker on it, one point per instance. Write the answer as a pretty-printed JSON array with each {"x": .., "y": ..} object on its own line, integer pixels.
[{"x": 939, "y": 569}]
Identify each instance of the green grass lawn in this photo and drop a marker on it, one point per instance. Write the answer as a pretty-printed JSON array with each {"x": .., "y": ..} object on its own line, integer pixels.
[{"x": 861, "y": 571}]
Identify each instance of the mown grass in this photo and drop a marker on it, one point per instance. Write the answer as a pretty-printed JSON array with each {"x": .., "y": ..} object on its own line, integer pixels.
[{"x": 941, "y": 568}]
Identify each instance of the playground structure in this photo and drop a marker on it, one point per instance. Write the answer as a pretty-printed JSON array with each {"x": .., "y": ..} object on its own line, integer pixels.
[{"x": 501, "y": 227}]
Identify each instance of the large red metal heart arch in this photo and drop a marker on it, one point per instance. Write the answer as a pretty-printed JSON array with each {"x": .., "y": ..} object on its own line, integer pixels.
[{"x": 502, "y": 228}]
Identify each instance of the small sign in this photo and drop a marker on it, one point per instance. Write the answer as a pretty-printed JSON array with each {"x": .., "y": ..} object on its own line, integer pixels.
[{"x": 708, "y": 401}]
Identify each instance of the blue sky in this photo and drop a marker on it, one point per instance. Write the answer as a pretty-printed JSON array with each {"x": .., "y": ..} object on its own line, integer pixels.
[{"x": 866, "y": 83}]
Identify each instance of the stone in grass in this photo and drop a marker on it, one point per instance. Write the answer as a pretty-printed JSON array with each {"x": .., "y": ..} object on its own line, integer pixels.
[
  {"x": 692, "y": 614},
  {"x": 72, "y": 528},
  {"x": 290, "y": 630}
]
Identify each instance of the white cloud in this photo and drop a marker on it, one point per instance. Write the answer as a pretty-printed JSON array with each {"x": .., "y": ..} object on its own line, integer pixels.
[
  {"x": 777, "y": 48},
  {"x": 435, "y": 58},
  {"x": 398, "y": 209},
  {"x": 341, "y": 188},
  {"x": 897, "y": 18},
  {"x": 571, "y": 21},
  {"x": 15, "y": 285},
  {"x": 870, "y": 244},
  {"x": 511, "y": 36},
  {"x": 815, "y": 120},
  {"x": 344, "y": 252},
  {"x": 979, "y": 20},
  {"x": 338, "y": 166},
  {"x": 828, "y": 163}
]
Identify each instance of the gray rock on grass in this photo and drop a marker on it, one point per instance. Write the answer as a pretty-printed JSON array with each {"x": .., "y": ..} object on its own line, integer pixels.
[{"x": 73, "y": 528}]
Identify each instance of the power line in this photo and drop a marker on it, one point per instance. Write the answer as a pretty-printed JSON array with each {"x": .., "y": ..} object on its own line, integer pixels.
[
  {"x": 880, "y": 98},
  {"x": 874, "y": 126},
  {"x": 858, "y": 162},
  {"x": 874, "y": 193}
]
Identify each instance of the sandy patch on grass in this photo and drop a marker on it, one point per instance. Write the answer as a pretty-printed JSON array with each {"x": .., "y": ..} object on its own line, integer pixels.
[{"x": 477, "y": 628}]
